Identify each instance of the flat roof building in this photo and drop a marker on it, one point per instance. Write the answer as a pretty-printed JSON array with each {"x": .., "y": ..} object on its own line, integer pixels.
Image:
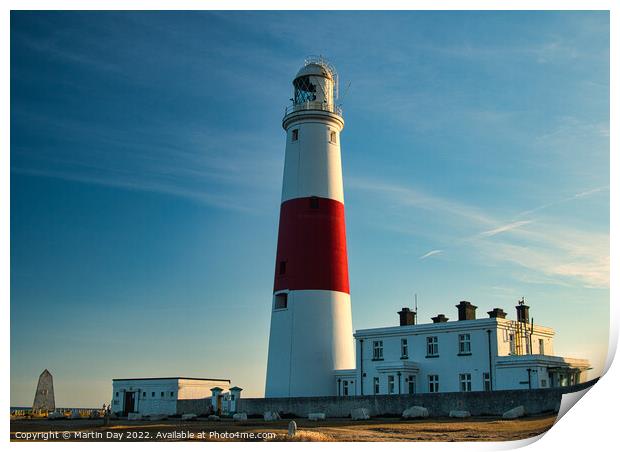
[
  {"x": 467, "y": 354},
  {"x": 168, "y": 395}
]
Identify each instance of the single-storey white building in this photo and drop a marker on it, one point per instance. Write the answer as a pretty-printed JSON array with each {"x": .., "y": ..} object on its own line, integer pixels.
[
  {"x": 172, "y": 395},
  {"x": 468, "y": 354}
]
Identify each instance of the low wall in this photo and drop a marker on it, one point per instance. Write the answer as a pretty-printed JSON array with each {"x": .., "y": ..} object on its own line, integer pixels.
[
  {"x": 194, "y": 406},
  {"x": 493, "y": 403}
]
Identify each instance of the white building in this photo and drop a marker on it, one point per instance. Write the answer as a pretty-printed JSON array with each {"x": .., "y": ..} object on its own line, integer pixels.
[
  {"x": 171, "y": 395},
  {"x": 468, "y": 354}
]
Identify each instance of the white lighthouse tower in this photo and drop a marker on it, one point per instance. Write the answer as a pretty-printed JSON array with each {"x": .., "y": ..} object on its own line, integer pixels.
[{"x": 311, "y": 327}]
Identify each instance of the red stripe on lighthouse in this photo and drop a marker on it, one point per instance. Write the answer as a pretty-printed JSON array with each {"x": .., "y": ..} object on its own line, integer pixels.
[{"x": 312, "y": 246}]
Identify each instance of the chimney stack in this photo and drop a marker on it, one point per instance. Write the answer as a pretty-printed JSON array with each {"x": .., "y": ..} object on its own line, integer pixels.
[
  {"x": 523, "y": 312},
  {"x": 497, "y": 313},
  {"x": 407, "y": 317},
  {"x": 467, "y": 311},
  {"x": 439, "y": 319}
]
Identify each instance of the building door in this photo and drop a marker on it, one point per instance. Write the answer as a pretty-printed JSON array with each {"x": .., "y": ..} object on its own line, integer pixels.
[{"x": 130, "y": 402}]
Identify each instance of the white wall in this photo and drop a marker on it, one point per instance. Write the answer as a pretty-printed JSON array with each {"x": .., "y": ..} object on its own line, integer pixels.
[
  {"x": 146, "y": 402},
  {"x": 448, "y": 365},
  {"x": 308, "y": 340},
  {"x": 312, "y": 164}
]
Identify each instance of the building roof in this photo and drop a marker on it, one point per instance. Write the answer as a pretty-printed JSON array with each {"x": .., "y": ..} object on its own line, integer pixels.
[
  {"x": 455, "y": 325},
  {"x": 171, "y": 378}
]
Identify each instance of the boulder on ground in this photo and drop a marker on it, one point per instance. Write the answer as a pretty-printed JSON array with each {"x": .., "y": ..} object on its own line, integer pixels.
[
  {"x": 55, "y": 415},
  {"x": 459, "y": 413},
  {"x": 514, "y": 413},
  {"x": 94, "y": 414},
  {"x": 415, "y": 412},
  {"x": 75, "y": 414},
  {"x": 359, "y": 414},
  {"x": 189, "y": 417},
  {"x": 240, "y": 417},
  {"x": 271, "y": 416},
  {"x": 213, "y": 417},
  {"x": 292, "y": 429},
  {"x": 316, "y": 416},
  {"x": 134, "y": 417}
]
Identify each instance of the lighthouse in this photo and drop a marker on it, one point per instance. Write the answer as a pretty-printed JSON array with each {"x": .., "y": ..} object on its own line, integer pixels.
[{"x": 311, "y": 326}]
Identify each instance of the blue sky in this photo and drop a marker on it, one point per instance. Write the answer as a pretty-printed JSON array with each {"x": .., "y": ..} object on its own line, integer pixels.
[{"x": 146, "y": 165}]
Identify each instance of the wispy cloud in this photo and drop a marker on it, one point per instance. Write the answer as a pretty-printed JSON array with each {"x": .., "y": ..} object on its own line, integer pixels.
[
  {"x": 431, "y": 253},
  {"x": 546, "y": 249},
  {"x": 504, "y": 228}
]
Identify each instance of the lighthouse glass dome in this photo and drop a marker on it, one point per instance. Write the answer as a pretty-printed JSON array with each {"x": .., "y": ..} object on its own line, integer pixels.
[{"x": 315, "y": 87}]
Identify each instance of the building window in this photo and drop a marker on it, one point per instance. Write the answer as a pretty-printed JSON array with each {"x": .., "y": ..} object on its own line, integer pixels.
[
  {"x": 281, "y": 301},
  {"x": 162, "y": 393},
  {"x": 486, "y": 381},
  {"x": 465, "y": 382},
  {"x": 117, "y": 394},
  {"x": 332, "y": 137},
  {"x": 541, "y": 346},
  {"x": 390, "y": 384},
  {"x": 144, "y": 394},
  {"x": 411, "y": 384},
  {"x": 171, "y": 393},
  {"x": 282, "y": 267},
  {"x": 295, "y": 134},
  {"x": 377, "y": 350},
  {"x": 375, "y": 382},
  {"x": 511, "y": 339},
  {"x": 433, "y": 383},
  {"x": 314, "y": 202},
  {"x": 543, "y": 383},
  {"x": 432, "y": 346},
  {"x": 404, "y": 348},
  {"x": 465, "y": 344},
  {"x": 153, "y": 394},
  {"x": 345, "y": 388}
]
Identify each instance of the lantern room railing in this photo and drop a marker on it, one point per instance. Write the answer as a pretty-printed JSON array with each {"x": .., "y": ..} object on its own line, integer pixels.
[{"x": 316, "y": 105}]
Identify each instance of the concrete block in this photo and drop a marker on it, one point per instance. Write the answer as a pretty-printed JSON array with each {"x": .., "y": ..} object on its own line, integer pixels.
[
  {"x": 213, "y": 417},
  {"x": 459, "y": 413},
  {"x": 415, "y": 412},
  {"x": 514, "y": 413},
  {"x": 189, "y": 417},
  {"x": 292, "y": 429},
  {"x": 271, "y": 416},
  {"x": 134, "y": 417},
  {"x": 359, "y": 414},
  {"x": 316, "y": 416},
  {"x": 240, "y": 417}
]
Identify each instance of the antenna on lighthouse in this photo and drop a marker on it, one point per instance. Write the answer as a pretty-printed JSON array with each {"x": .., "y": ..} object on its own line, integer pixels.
[{"x": 415, "y": 296}]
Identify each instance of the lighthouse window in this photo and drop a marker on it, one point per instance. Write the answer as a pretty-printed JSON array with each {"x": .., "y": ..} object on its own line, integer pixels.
[
  {"x": 282, "y": 269},
  {"x": 314, "y": 202},
  {"x": 295, "y": 135},
  {"x": 332, "y": 137},
  {"x": 281, "y": 301},
  {"x": 305, "y": 90}
]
